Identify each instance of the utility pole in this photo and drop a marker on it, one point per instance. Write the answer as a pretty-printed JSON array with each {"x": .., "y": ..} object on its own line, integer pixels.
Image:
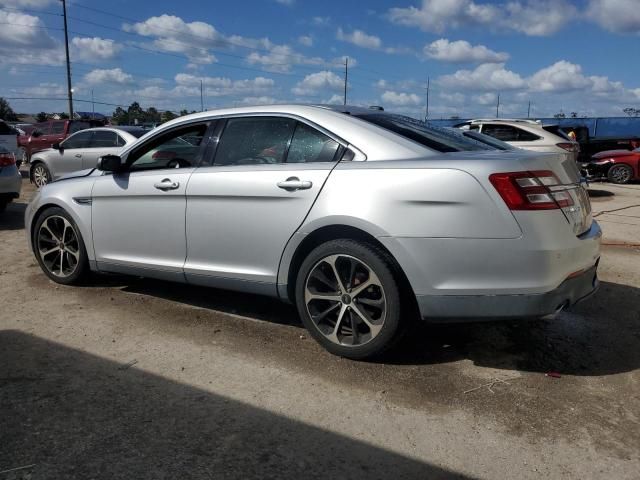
[
  {"x": 426, "y": 113},
  {"x": 498, "y": 107},
  {"x": 66, "y": 49},
  {"x": 93, "y": 107},
  {"x": 346, "y": 77},
  {"x": 529, "y": 109},
  {"x": 201, "y": 98}
]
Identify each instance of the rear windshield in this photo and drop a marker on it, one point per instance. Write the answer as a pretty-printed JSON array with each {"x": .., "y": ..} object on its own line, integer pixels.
[
  {"x": 136, "y": 132},
  {"x": 556, "y": 130},
  {"x": 436, "y": 138},
  {"x": 487, "y": 140}
]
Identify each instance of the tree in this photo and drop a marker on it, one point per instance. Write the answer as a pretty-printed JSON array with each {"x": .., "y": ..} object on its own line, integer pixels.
[
  {"x": 120, "y": 116},
  {"x": 42, "y": 117},
  {"x": 183, "y": 112},
  {"x": 136, "y": 113},
  {"x": 632, "y": 112},
  {"x": 167, "y": 115},
  {"x": 574, "y": 114},
  {"x": 560, "y": 115},
  {"x": 63, "y": 116},
  {"x": 152, "y": 115},
  {"x": 6, "y": 112}
]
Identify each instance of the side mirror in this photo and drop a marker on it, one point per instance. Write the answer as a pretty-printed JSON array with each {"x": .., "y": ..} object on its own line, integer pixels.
[
  {"x": 57, "y": 146},
  {"x": 109, "y": 163}
]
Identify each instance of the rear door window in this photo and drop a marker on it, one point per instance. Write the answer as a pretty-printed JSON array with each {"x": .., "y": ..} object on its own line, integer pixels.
[
  {"x": 310, "y": 146},
  {"x": 77, "y": 126},
  {"x": 104, "y": 139},
  {"x": 255, "y": 141},
  {"x": 57, "y": 128},
  {"x": 42, "y": 128}
]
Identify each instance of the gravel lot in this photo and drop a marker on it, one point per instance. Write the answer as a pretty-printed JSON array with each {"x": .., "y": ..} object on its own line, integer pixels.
[{"x": 131, "y": 378}]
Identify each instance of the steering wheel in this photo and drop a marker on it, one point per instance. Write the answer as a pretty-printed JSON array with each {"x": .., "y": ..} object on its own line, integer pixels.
[{"x": 178, "y": 163}]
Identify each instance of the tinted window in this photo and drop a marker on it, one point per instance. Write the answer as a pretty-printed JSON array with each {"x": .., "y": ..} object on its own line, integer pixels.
[
  {"x": 57, "y": 128},
  {"x": 77, "y": 126},
  {"x": 309, "y": 145},
  {"x": 120, "y": 141},
  {"x": 487, "y": 140},
  {"x": 79, "y": 140},
  {"x": 508, "y": 133},
  {"x": 6, "y": 129},
  {"x": 254, "y": 141},
  {"x": 436, "y": 138},
  {"x": 43, "y": 128},
  {"x": 175, "y": 149},
  {"x": 104, "y": 139}
]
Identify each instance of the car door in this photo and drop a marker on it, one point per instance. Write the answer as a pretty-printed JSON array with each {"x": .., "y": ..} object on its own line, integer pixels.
[
  {"x": 68, "y": 158},
  {"x": 138, "y": 214},
  {"x": 246, "y": 200},
  {"x": 39, "y": 137},
  {"x": 103, "y": 142}
]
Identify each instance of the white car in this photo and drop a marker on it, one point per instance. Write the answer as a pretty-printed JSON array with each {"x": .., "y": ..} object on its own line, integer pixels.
[
  {"x": 80, "y": 151},
  {"x": 526, "y": 134}
]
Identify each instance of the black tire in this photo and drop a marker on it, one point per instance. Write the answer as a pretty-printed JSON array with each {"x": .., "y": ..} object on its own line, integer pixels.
[
  {"x": 3, "y": 205},
  {"x": 620, "y": 173},
  {"x": 81, "y": 268},
  {"x": 40, "y": 174},
  {"x": 394, "y": 323}
]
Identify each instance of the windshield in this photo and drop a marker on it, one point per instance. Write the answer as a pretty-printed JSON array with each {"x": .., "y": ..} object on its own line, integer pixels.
[{"x": 436, "y": 138}]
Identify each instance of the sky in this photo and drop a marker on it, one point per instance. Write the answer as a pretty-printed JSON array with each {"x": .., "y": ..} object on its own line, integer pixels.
[{"x": 555, "y": 55}]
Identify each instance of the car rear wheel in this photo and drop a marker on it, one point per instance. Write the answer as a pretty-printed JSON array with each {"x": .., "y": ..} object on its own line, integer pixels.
[
  {"x": 348, "y": 298},
  {"x": 40, "y": 175},
  {"x": 59, "y": 248},
  {"x": 620, "y": 174}
]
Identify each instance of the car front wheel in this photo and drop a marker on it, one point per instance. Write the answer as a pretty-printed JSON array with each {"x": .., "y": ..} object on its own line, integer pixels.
[
  {"x": 620, "y": 174},
  {"x": 348, "y": 298},
  {"x": 59, "y": 248}
]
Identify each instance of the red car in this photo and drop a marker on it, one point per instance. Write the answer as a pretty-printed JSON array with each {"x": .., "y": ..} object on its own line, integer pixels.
[
  {"x": 618, "y": 166},
  {"x": 45, "y": 134}
]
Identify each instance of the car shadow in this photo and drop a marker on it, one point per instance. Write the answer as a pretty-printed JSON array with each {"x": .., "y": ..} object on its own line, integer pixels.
[
  {"x": 70, "y": 414},
  {"x": 601, "y": 336},
  {"x": 595, "y": 193},
  {"x": 13, "y": 217}
]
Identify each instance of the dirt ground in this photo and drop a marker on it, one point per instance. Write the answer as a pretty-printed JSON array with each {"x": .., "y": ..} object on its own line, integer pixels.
[{"x": 129, "y": 378}]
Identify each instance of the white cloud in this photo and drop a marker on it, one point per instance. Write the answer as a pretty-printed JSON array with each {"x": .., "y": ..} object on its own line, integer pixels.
[
  {"x": 305, "y": 40},
  {"x": 26, "y": 3},
  {"x": 562, "y": 76},
  {"x": 321, "y": 21},
  {"x": 95, "y": 49},
  {"x": 223, "y": 86},
  {"x": 461, "y": 51},
  {"x": 532, "y": 17},
  {"x": 359, "y": 38},
  {"x": 264, "y": 100},
  {"x": 317, "y": 82},
  {"x": 400, "y": 99},
  {"x": 335, "y": 99},
  {"x": 618, "y": 16},
  {"x": 486, "y": 77},
  {"x": 24, "y": 40},
  {"x": 486, "y": 98},
  {"x": 113, "y": 75}
]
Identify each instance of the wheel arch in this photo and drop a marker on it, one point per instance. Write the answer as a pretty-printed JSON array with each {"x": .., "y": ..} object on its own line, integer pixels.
[
  {"x": 334, "y": 232},
  {"x": 33, "y": 162}
]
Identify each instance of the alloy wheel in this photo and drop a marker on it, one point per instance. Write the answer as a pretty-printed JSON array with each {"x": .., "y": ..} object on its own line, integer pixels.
[
  {"x": 345, "y": 300},
  {"x": 58, "y": 246},
  {"x": 620, "y": 174},
  {"x": 40, "y": 176}
]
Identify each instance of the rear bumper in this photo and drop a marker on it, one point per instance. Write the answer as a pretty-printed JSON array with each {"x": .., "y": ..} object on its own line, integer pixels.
[
  {"x": 460, "y": 308},
  {"x": 10, "y": 182}
]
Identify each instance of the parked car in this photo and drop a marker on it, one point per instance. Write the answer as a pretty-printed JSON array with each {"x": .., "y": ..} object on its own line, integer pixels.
[
  {"x": 526, "y": 134},
  {"x": 45, "y": 134},
  {"x": 80, "y": 151},
  {"x": 8, "y": 137},
  {"x": 10, "y": 178},
  {"x": 617, "y": 166},
  {"x": 360, "y": 218}
]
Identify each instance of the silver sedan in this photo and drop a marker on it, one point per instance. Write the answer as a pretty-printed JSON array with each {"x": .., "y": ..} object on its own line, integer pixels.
[
  {"x": 80, "y": 151},
  {"x": 362, "y": 219}
]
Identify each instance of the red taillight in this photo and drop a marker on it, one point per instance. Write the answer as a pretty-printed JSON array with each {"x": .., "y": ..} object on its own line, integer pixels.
[
  {"x": 7, "y": 159},
  {"x": 569, "y": 147},
  {"x": 530, "y": 190}
]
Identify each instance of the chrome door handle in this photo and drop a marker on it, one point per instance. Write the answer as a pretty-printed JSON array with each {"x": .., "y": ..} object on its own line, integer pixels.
[
  {"x": 78, "y": 155},
  {"x": 292, "y": 184},
  {"x": 166, "y": 184}
]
